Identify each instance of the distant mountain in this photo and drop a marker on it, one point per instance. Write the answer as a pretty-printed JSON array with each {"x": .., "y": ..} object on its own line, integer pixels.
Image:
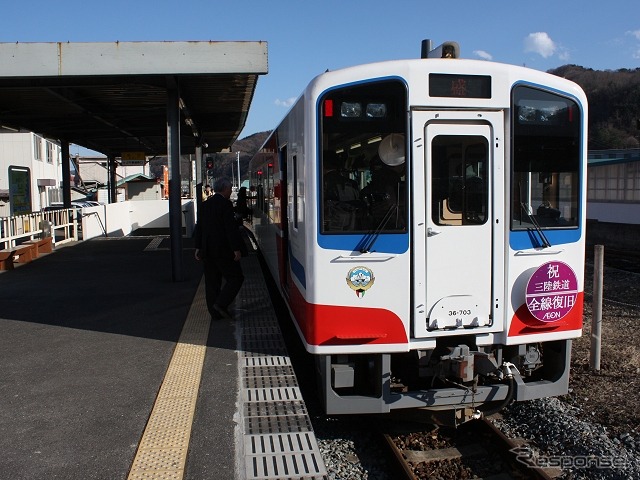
[
  {"x": 226, "y": 164},
  {"x": 247, "y": 147},
  {"x": 614, "y": 104},
  {"x": 250, "y": 144}
]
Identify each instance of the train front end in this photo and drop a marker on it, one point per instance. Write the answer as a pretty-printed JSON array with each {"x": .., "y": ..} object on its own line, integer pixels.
[{"x": 445, "y": 268}]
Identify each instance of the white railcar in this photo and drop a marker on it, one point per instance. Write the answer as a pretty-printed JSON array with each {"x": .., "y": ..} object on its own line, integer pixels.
[{"x": 424, "y": 220}]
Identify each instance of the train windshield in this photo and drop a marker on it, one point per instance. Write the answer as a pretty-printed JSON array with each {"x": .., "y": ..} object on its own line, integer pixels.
[
  {"x": 363, "y": 161},
  {"x": 545, "y": 188}
]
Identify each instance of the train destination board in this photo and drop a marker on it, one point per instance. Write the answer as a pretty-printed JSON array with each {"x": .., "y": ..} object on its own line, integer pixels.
[{"x": 461, "y": 86}]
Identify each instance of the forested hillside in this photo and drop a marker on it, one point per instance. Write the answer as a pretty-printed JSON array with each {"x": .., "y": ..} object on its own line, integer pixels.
[
  {"x": 247, "y": 147},
  {"x": 614, "y": 104}
]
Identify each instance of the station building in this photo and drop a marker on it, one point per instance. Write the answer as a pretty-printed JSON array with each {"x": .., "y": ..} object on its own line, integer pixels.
[
  {"x": 30, "y": 172},
  {"x": 613, "y": 198}
]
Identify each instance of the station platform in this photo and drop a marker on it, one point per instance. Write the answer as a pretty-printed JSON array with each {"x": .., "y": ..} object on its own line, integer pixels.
[{"x": 110, "y": 370}]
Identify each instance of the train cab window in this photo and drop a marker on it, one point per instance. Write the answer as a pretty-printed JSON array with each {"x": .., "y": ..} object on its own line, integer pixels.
[
  {"x": 363, "y": 163},
  {"x": 459, "y": 181},
  {"x": 545, "y": 187}
]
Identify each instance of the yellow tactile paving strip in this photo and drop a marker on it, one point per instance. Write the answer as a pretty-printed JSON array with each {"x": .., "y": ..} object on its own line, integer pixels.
[{"x": 162, "y": 453}]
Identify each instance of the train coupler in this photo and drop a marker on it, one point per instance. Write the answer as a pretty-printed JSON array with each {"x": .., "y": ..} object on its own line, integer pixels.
[{"x": 465, "y": 364}]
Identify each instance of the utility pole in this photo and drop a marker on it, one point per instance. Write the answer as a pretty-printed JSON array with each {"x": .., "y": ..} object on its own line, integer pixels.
[
  {"x": 238, "y": 161},
  {"x": 596, "y": 320}
]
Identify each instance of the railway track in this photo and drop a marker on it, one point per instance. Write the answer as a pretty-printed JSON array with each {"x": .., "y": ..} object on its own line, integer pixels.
[{"x": 476, "y": 450}]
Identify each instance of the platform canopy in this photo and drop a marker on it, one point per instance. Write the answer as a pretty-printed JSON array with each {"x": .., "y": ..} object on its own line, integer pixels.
[{"x": 112, "y": 97}]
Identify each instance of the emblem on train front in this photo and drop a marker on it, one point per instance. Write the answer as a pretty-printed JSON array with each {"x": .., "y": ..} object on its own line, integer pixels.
[{"x": 360, "y": 279}]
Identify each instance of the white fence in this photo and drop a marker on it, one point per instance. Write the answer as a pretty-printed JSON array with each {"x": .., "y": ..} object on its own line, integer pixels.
[
  {"x": 113, "y": 220},
  {"x": 62, "y": 225}
]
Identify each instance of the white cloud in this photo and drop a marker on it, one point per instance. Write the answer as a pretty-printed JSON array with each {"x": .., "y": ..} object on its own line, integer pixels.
[
  {"x": 540, "y": 43},
  {"x": 285, "y": 103},
  {"x": 563, "y": 54},
  {"x": 634, "y": 33},
  {"x": 483, "y": 55}
]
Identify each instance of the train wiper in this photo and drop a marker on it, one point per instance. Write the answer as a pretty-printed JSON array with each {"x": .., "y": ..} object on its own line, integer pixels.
[
  {"x": 536, "y": 225},
  {"x": 371, "y": 238}
]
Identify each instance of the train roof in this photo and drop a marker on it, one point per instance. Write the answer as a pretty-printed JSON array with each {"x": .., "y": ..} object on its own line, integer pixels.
[{"x": 415, "y": 70}]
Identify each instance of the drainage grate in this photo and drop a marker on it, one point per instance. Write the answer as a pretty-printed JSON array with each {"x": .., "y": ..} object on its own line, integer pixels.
[
  {"x": 269, "y": 371},
  {"x": 254, "y": 330},
  {"x": 154, "y": 244},
  {"x": 279, "y": 442},
  {"x": 270, "y": 382},
  {"x": 260, "y": 322},
  {"x": 264, "y": 409},
  {"x": 264, "y": 341},
  {"x": 260, "y": 361},
  {"x": 285, "y": 466},
  {"x": 271, "y": 394},
  {"x": 260, "y": 357},
  {"x": 285, "y": 424}
]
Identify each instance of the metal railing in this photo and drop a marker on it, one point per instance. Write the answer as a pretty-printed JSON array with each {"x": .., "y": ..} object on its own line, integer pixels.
[{"x": 61, "y": 225}]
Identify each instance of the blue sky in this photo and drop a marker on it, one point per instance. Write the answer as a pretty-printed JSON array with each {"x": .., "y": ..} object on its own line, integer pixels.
[{"x": 307, "y": 38}]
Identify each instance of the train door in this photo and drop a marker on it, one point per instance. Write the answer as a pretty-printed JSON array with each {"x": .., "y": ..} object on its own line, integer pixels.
[{"x": 453, "y": 242}]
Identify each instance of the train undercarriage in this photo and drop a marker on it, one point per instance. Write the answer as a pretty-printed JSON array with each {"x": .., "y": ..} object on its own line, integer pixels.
[{"x": 452, "y": 383}]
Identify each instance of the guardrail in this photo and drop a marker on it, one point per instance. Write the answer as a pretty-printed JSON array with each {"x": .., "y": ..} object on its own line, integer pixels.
[
  {"x": 75, "y": 224},
  {"x": 61, "y": 225}
]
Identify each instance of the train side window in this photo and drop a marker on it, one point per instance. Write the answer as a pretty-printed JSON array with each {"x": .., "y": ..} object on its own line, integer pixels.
[{"x": 459, "y": 180}]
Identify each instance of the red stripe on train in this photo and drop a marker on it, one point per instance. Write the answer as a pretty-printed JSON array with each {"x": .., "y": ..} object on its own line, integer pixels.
[{"x": 339, "y": 325}]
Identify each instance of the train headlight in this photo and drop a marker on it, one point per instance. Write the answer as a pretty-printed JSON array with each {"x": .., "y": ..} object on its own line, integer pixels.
[
  {"x": 356, "y": 110},
  {"x": 376, "y": 110},
  {"x": 351, "y": 109}
]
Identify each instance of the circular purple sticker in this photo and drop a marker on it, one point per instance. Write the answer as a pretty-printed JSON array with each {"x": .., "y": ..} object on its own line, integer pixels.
[{"x": 552, "y": 291}]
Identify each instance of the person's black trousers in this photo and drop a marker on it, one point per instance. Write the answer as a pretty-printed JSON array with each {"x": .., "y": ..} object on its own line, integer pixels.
[{"x": 216, "y": 270}]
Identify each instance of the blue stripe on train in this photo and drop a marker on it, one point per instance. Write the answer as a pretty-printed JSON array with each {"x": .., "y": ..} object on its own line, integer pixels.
[
  {"x": 297, "y": 269},
  {"x": 384, "y": 243},
  {"x": 523, "y": 240}
]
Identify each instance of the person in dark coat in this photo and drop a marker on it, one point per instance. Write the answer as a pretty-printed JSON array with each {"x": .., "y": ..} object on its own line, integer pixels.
[
  {"x": 242, "y": 208},
  {"x": 219, "y": 246}
]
